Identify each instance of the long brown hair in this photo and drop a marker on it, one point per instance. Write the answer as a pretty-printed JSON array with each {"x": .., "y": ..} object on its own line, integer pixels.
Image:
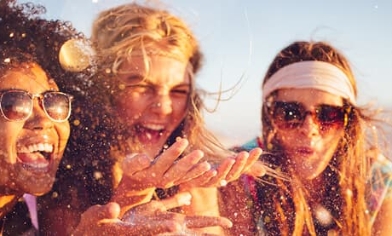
[{"x": 286, "y": 204}]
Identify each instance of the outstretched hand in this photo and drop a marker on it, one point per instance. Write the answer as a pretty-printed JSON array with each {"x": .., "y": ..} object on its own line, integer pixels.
[
  {"x": 141, "y": 176},
  {"x": 151, "y": 218},
  {"x": 230, "y": 169}
]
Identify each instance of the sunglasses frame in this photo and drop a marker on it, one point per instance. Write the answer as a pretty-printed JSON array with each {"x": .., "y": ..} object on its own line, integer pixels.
[
  {"x": 41, "y": 98},
  {"x": 271, "y": 108}
]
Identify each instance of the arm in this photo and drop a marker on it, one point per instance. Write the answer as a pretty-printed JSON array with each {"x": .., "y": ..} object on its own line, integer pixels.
[{"x": 236, "y": 204}]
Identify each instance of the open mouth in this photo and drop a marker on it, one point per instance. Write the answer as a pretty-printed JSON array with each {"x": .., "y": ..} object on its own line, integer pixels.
[
  {"x": 35, "y": 157},
  {"x": 150, "y": 132}
]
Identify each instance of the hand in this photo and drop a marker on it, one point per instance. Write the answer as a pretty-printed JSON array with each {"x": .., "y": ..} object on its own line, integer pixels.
[
  {"x": 141, "y": 177},
  {"x": 231, "y": 169},
  {"x": 155, "y": 213},
  {"x": 150, "y": 218}
]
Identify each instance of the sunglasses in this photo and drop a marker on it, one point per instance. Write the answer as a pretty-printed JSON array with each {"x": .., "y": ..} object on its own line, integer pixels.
[
  {"x": 17, "y": 105},
  {"x": 291, "y": 115}
]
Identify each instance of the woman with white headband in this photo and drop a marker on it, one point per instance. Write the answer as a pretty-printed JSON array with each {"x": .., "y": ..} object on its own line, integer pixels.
[{"x": 337, "y": 182}]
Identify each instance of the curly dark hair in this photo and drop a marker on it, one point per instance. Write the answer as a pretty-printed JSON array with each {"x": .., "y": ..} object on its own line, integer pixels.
[
  {"x": 25, "y": 37},
  {"x": 28, "y": 37}
]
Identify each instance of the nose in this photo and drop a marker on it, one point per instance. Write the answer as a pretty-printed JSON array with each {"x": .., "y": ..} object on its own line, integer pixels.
[
  {"x": 309, "y": 125},
  {"x": 38, "y": 120},
  {"x": 162, "y": 104}
]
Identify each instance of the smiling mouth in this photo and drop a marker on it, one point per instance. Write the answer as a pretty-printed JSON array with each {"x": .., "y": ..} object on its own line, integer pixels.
[
  {"x": 150, "y": 131},
  {"x": 36, "y": 157}
]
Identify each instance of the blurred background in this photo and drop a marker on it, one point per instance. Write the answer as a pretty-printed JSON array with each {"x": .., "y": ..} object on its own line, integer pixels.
[{"x": 239, "y": 39}]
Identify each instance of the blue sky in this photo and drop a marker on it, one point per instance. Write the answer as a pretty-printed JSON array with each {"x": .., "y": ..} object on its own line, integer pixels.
[{"x": 239, "y": 39}]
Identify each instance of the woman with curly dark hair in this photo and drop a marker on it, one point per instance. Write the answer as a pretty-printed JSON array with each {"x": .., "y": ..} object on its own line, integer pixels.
[{"x": 35, "y": 104}]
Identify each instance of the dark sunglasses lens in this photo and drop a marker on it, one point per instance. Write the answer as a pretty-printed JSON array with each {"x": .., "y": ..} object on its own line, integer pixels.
[
  {"x": 16, "y": 105},
  {"x": 330, "y": 115},
  {"x": 57, "y": 105},
  {"x": 288, "y": 115}
]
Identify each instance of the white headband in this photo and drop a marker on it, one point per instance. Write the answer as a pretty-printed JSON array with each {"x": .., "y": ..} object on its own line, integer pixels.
[{"x": 311, "y": 74}]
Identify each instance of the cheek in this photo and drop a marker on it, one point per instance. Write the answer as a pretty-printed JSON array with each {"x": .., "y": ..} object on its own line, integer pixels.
[
  {"x": 286, "y": 138},
  {"x": 9, "y": 132},
  {"x": 331, "y": 140},
  {"x": 130, "y": 107},
  {"x": 179, "y": 107},
  {"x": 63, "y": 132}
]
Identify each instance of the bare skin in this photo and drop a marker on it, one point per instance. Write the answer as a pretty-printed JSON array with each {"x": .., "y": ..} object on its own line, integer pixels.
[
  {"x": 151, "y": 218},
  {"x": 24, "y": 169}
]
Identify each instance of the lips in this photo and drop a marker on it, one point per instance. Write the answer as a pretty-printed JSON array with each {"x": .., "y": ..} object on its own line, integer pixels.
[
  {"x": 304, "y": 150},
  {"x": 150, "y": 132},
  {"x": 35, "y": 157}
]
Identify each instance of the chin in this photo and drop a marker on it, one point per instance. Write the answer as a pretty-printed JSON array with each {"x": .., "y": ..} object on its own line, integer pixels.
[
  {"x": 39, "y": 192},
  {"x": 38, "y": 187}
]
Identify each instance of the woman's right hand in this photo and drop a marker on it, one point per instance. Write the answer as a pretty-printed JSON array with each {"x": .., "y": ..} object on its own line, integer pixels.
[{"x": 151, "y": 218}]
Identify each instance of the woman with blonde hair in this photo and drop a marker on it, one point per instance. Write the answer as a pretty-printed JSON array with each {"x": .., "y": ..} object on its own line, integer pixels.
[{"x": 146, "y": 95}]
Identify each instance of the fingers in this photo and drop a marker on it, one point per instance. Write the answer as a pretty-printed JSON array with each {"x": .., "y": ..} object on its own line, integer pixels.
[
  {"x": 201, "y": 181},
  {"x": 220, "y": 178},
  {"x": 197, "y": 171},
  {"x": 99, "y": 212},
  {"x": 95, "y": 216},
  {"x": 254, "y": 156},
  {"x": 257, "y": 169},
  {"x": 135, "y": 162},
  {"x": 184, "y": 166},
  {"x": 178, "y": 200},
  {"x": 238, "y": 167},
  {"x": 164, "y": 161},
  {"x": 154, "y": 208},
  {"x": 159, "y": 226},
  {"x": 207, "y": 221}
]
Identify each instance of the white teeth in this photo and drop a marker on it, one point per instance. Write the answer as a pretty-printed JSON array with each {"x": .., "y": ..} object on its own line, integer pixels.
[
  {"x": 149, "y": 136},
  {"x": 37, "y": 147},
  {"x": 154, "y": 127}
]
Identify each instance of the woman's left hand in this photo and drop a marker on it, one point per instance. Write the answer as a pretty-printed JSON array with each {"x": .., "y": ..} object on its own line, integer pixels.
[{"x": 230, "y": 169}]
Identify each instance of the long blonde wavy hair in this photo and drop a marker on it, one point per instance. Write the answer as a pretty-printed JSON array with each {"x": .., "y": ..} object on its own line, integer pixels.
[
  {"x": 345, "y": 193},
  {"x": 132, "y": 29}
]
